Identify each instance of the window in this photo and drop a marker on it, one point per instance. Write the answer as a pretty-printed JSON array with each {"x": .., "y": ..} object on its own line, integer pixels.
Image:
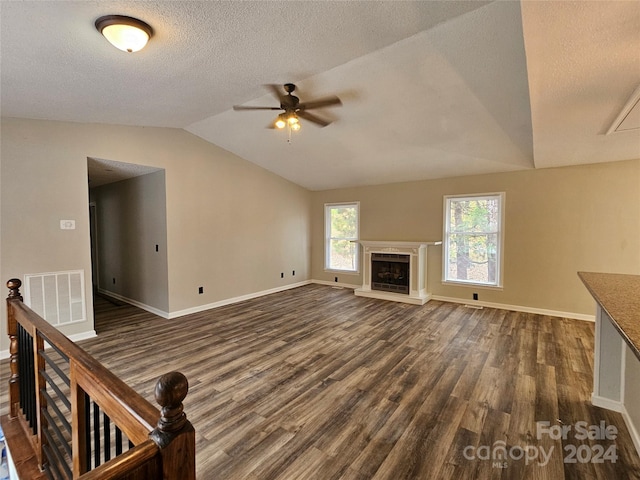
[
  {"x": 341, "y": 236},
  {"x": 473, "y": 239}
]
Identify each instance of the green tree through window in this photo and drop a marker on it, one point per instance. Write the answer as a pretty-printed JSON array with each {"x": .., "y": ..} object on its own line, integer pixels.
[
  {"x": 473, "y": 238},
  {"x": 341, "y": 231}
]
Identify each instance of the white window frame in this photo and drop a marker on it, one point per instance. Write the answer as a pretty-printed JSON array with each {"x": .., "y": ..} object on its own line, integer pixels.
[
  {"x": 328, "y": 238},
  {"x": 500, "y": 235}
]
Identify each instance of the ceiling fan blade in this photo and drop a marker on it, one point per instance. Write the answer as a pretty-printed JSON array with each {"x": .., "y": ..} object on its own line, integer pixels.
[
  {"x": 276, "y": 90},
  {"x": 321, "y": 102},
  {"x": 244, "y": 107},
  {"x": 313, "y": 118}
]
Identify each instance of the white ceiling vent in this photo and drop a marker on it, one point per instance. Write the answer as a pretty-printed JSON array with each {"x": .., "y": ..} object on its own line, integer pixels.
[{"x": 629, "y": 117}]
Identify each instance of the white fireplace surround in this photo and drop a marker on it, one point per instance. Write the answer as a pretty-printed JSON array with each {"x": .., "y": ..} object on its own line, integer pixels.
[{"x": 417, "y": 252}]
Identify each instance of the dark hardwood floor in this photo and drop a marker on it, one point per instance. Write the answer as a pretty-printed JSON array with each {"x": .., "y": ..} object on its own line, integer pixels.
[{"x": 315, "y": 383}]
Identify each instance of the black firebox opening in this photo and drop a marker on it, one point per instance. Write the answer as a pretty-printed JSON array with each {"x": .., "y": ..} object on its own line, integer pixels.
[{"x": 390, "y": 272}]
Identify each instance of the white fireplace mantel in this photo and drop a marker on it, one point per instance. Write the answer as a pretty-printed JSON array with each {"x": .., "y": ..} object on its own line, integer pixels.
[{"x": 417, "y": 252}]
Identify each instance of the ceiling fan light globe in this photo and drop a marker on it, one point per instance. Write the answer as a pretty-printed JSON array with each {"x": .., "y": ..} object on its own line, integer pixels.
[
  {"x": 295, "y": 127},
  {"x": 292, "y": 120},
  {"x": 280, "y": 123}
]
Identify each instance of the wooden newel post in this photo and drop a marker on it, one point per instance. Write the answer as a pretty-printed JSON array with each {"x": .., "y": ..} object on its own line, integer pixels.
[
  {"x": 14, "y": 289},
  {"x": 174, "y": 434},
  {"x": 12, "y": 331}
]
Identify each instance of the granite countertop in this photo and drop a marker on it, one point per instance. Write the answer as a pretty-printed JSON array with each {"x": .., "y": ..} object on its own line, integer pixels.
[{"x": 619, "y": 295}]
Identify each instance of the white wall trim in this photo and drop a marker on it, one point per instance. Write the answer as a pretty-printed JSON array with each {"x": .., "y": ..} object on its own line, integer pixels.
[
  {"x": 241, "y": 298},
  {"x": 518, "y": 308},
  {"x": 501, "y": 306},
  {"x": 82, "y": 336},
  {"x": 602, "y": 402},
  {"x": 135, "y": 303},
  {"x": 249, "y": 296}
]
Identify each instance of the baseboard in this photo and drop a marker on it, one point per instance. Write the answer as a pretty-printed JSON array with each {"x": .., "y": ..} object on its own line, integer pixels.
[
  {"x": 635, "y": 436},
  {"x": 170, "y": 315},
  {"x": 241, "y": 298},
  {"x": 229, "y": 301},
  {"x": 135, "y": 303},
  {"x": 515, "y": 308},
  {"x": 518, "y": 308},
  {"x": 607, "y": 403},
  {"x": 82, "y": 336}
]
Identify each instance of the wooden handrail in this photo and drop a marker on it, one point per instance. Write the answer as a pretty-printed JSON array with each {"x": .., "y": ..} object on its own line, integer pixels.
[
  {"x": 95, "y": 378},
  {"x": 164, "y": 441},
  {"x": 137, "y": 457}
]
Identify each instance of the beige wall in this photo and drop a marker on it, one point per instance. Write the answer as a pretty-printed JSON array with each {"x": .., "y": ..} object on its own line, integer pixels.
[
  {"x": 558, "y": 221},
  {"x": 232, "y": 227},
  {"x": 40, "y": 187}
]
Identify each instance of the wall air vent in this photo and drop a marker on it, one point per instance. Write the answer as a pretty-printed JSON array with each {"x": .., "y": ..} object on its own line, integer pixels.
[
  {"x": 629, "y": 117},
  {"x": 57, "y": 297}
]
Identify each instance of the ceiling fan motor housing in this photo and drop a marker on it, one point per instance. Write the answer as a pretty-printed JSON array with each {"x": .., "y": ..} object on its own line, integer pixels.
[{"x": 289, "y": 102}]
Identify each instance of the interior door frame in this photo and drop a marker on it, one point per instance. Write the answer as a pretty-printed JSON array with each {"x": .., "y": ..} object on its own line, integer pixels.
[{"x": 93, "y": 235}]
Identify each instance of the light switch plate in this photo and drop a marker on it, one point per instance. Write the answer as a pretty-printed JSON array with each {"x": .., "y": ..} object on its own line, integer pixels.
[{"x": 67, "y": 224}]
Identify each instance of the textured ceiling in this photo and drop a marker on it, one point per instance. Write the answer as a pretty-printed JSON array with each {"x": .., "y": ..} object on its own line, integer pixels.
[
  {"x": 582, "y": 72},
  {"x": 451, "y": 100},
  {"x": 102, "y": 172},
  {"x": 430, "y": 88}
]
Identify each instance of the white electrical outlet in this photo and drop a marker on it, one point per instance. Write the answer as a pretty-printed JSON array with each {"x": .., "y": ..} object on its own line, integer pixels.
[{"x": 67, "y": 224}]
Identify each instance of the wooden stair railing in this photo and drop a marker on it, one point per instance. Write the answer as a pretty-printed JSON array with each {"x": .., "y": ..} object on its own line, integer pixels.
[{"x": 80, "y": 420}]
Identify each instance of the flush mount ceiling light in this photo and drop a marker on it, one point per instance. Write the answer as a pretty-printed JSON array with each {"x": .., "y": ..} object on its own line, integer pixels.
[{"x": 126, "y": 33}]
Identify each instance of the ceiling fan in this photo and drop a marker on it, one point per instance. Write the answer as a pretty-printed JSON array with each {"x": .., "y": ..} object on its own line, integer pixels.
[{"x": 293, "y": 108}]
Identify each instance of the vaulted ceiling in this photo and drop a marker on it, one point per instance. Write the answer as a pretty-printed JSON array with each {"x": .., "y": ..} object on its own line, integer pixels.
[{"x": 430, "y": 89}]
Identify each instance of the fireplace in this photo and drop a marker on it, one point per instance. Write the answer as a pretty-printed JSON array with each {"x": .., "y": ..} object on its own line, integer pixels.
[
  {"x": 395, "y": 271},
  {"x": 390, "y": 272}
]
